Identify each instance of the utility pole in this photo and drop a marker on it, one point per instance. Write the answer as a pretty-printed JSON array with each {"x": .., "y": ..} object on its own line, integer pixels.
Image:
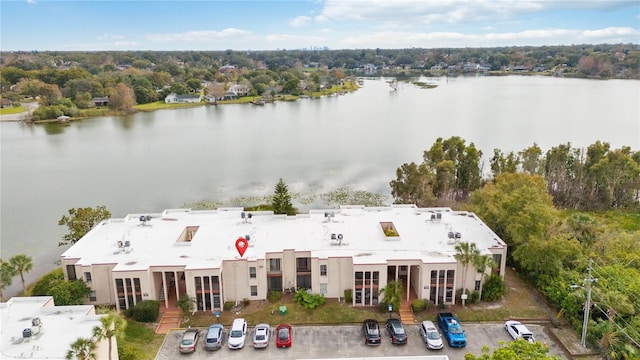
[{"x": 587, "y": 304}]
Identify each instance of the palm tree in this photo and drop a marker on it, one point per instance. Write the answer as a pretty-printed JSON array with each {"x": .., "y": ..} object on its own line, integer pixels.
[
  {"x": 112, "y": 325},
  {"x": 82, "y": 349},
  {"x": 481, "y": 263},
  {"x": 393, "y": 294},
  {"x": 21, "y": 264},
  {"x": 465, "y": 254},
  {"x": 7, "y": 272}
]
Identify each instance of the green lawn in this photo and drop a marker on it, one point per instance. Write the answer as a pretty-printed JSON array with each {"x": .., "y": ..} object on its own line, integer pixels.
[
  {"x": 331, "y": 312},
  {"x": 141, "y": 340},
  {"x": 12, "y": 110}
]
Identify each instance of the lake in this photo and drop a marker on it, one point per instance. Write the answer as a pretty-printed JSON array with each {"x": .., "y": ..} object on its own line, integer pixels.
[{"x": 147, "y": 162}]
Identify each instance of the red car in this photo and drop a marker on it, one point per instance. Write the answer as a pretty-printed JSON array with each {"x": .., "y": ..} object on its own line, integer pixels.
[{"x": 283, "y": 335}]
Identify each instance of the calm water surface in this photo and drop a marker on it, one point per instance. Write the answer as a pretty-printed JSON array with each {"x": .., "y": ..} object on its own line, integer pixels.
[{"x": 151, "y": 161}]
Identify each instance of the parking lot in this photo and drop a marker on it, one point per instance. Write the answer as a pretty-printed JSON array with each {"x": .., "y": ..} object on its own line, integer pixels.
[{"x": 322, "y": 342}]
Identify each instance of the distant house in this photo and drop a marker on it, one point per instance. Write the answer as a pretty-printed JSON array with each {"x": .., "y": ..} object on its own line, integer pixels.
[
  {"x": 100, "y": 101},
  {"x": 229, "y": 95},
  {"x": 227, "y": 68},
  {"x": 240, "y": 90},
  {"x": 210, "y": 99},
  {"x": 182, "y": 99},
  {"x": 5, "y": 103}
]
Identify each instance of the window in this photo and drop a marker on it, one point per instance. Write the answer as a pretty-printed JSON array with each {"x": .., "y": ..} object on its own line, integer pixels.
[
  {"x": 323, "y": 288},
  {"x": 254, "y": 290},
  {"x": 252, "y": 272},
  {"x": 323, "y": 270},
  {"x": 477, "y": 288},
  {"x": 71, "y": 272},
  {"x": 87, "y": 278},
  {"x": 450, "y": 278},
  {"x": 274, "y": 265},
  {"x": 497, "y": 259},
  {"x": 92, "y": 296},
  {"x": 303, "y": 264}
]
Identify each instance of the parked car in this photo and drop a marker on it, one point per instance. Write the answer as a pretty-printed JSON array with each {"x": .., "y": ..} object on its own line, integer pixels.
[
  {"x": 396, "y": 331},
  {"x": 431, "y": 336},
  {"x": 189, "y": 340},
  {"x": 371, "y": 332},
  {"x": 214, "y": 338},
  {"x": 452, "y": 330},
  {"x": 283, "y": 335},
  {"x": 237, "y": 334},
  {"x": 261, "y": 336},
  {"x": 517, "y": 330}
]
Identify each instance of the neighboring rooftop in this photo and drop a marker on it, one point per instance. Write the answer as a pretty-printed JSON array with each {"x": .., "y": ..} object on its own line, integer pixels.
[
  {"x": 59, "y": 326},
  {"x": 203, "y": 239}
]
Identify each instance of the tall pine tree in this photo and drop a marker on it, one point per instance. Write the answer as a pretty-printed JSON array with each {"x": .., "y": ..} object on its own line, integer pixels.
[{"x": 281, "y": 201}]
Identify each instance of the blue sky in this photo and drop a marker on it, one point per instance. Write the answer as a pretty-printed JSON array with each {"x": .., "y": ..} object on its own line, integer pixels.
[{"x": 336, "y": 24}]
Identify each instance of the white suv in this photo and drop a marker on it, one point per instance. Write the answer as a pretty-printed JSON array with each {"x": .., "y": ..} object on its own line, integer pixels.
[
  {"x": 431, "y": 336},
  {"x": 237, "y": 334}
]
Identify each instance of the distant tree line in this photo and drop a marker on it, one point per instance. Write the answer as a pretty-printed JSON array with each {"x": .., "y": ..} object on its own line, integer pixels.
[
  {"x": 66, "y": 82},
  {"x": 595, "y": 178}
]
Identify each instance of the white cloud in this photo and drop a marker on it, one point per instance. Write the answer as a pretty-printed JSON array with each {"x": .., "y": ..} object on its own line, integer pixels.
[
  {"x": 300, "y": 21},
  {"x": 199, "y": 36},
  {"x": 109, "y": 37},
  {"x": 536, "y": 37},
  {"x": 291, "y": 41},
  {"x": 427, "y": 12},
  {"x": 611, "y": 32}
]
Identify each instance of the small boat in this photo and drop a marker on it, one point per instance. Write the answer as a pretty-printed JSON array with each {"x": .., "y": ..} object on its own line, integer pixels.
[{"x": 258, "y": 102}]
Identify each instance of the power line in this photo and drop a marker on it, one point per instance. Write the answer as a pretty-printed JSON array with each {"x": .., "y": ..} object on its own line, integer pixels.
[
  {"x": 618, "y": 326},
  {"x": 620, "y": 286},
  {"x": 627, "y": 325}
]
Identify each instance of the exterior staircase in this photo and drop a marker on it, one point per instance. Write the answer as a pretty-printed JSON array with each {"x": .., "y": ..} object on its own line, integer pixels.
[
  {"x": 406, "y": 313},
  {"x": 170, "y": 319}
]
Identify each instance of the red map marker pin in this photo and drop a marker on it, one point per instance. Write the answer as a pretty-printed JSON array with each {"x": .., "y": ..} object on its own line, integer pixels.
[{"x": 241, "y": 245}]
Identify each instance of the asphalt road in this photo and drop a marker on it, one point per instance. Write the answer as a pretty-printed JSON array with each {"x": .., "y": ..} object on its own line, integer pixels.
[{"x": 323, "y": 342}]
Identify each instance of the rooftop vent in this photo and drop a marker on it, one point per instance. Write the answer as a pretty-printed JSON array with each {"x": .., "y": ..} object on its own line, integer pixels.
[
  {"x": 336, "y": 239},
  {"x": 246, "y": 218},
  {"x": 329, "y": 215},
  {"x": 144, "y": 219},
  {"x": 26, "y": 333}
]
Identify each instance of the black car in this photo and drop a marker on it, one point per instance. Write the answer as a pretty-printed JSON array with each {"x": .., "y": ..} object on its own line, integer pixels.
[
  {"x": 396, "y": 331},
  {"x": 371, "y": 332}
]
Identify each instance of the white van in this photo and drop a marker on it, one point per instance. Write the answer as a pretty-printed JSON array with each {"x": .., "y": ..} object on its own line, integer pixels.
[
  {"x": 237, "y": 334},
  {"x": 431, "y": 336}
]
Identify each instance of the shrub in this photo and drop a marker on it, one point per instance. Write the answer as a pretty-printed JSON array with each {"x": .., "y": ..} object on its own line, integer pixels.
[
  {"x": 146, "y": 311},
  {"x": 348, "y": 295},
  {"x": 418, "y": 305},
  {"x": 274, "y": 296},
  {"x": 383, "y": 307},
  {"x": 228, "y": 305},
  {"x": 46, "y": 282},
  {"x": 474, "y": 297},
  {"x": 309, "y": 301},
  {"x": 494, "y": 288},
  {"x": 129, "y": 352},
  {"x": 246, "y": 302}
]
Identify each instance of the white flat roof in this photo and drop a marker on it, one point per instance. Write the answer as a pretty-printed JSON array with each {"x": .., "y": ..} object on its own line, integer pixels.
[
  {"x": 155, "y": 243},
  {"x": 61, "y": 326}
]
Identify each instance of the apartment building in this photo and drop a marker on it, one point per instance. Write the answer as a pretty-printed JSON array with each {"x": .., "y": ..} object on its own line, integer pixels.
[
  {"x": 35, "y": 328},
  {"x": 179, "y": 252}
]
